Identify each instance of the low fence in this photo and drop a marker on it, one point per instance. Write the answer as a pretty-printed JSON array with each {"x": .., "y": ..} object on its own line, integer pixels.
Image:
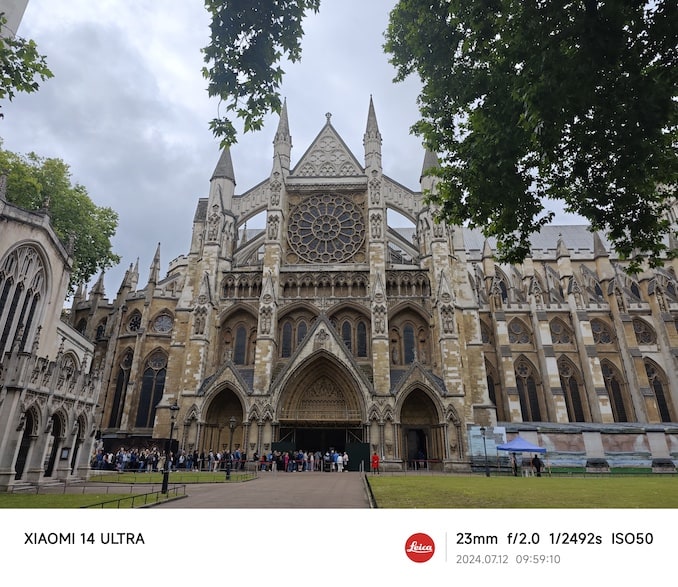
[{"x": 138, "y": 500}]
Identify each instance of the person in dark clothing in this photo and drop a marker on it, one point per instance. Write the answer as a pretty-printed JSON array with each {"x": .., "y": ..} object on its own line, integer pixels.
[{"x": 537, "y": 465}]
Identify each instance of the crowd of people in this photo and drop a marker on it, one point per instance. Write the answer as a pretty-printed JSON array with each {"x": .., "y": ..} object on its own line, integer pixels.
[
  {"x": 302, "y": 460},
  {"x": 153, "y": 460}
]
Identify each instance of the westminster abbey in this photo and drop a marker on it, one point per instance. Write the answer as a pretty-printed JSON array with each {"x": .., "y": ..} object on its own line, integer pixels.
[{"x": 330, "y": 328}]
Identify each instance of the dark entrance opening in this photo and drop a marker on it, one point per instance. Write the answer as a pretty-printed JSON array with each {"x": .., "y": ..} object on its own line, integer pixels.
[
  {"x": 416, "y": 448},
  {"x": 26, "y": 440},
  {"x": 325, "y": 439},
  {"x": 322, "y": 439}
]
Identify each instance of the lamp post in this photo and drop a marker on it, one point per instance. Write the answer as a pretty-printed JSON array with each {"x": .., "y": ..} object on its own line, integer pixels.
[
  {"x": 174, "y": 408},
  {"x": 231, "y": 427},
  {"x": 487, "y": 466}
]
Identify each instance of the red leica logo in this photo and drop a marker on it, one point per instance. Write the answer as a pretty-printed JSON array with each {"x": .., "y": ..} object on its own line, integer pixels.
[{"x": 419, "y": 547}]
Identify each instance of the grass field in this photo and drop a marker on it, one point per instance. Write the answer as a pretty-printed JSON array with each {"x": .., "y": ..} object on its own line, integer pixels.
[
  {"x": 517, "y": 492},
  {"x": 61, "y": 501},
  {"x": 175, "y": 477},
  {"x": 427, "y": 491}
]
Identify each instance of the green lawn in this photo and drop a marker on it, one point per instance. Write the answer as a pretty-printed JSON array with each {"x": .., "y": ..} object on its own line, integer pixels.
[
  {"x": 61, "y": 501},
  {"x": 176, "y": 477},
  {"x": 517, "y": 492}
]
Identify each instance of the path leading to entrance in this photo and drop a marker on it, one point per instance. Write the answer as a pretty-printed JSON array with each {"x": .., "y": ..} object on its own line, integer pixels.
[{"x": 279, "y": 490}]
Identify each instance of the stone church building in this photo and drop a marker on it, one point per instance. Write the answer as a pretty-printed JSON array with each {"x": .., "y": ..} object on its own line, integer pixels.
[
  {"x": 329, "y": 328},
  {"x": 48, "y": 396}
]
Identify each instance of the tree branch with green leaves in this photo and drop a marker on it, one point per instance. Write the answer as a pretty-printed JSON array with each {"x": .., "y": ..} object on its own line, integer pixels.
[
  {"x": 248, "y": 41},
  {"x": 531, "y": 101},
  {"x": 21, "y": 66}
]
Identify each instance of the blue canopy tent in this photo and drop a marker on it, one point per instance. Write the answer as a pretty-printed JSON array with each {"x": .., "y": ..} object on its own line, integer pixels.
[{"x": 519, "y": 444}]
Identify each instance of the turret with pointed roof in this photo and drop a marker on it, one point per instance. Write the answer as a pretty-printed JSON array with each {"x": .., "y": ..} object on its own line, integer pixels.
[
  {"x": 222, "y": 182},
  {"x": 372, "y": 140},
  {"x": 282, "y": 143}
]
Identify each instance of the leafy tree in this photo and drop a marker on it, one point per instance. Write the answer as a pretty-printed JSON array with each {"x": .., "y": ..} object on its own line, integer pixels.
[
  {"x": 37, "y": 183},
  {"x": 20, "y": 64},
  {"x": 529, "y": 100},
  {"x": 248, "y": 40}
]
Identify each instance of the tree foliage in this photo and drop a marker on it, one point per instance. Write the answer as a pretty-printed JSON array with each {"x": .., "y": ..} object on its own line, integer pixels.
[
  {"x": 37, "y": 183},
  {"x": 529, "y": 100},
  {"x": 20, "y": 64},
  {"x": 248, "y": 40}
]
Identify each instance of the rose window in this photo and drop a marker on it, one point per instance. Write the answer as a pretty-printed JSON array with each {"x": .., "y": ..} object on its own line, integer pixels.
[{"x": 326, "y": 229}]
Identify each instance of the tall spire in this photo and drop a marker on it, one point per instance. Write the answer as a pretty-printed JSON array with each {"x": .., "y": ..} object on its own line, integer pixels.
[
  {"x": 372, "y": 139},
  {"x": 154, "y": 275},
  {"x": 282, "y": 143}
]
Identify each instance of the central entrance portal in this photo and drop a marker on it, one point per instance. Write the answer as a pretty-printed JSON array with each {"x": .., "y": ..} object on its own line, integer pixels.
[{"x": 321, "y": 409}]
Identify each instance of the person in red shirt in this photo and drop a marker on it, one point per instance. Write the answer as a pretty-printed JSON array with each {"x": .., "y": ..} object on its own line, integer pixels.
[{"x": 375, "y": 464}]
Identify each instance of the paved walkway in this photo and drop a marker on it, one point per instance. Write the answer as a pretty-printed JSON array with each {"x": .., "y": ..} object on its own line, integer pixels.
[{"x": 279, "y": 490}]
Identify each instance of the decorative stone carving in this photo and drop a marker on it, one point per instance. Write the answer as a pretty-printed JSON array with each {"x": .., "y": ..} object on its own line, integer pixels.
[
  {"x": 375, "y": 222},
  {"x": 275, "y": 187},
  {"x": 273, "y": 226},
  {"x": 374, "y": 187},
  {"x": 213, "y": 224}
]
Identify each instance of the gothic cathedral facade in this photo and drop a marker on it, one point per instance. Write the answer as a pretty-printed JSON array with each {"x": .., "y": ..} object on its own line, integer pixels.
[{"x": 329, "y": 328}]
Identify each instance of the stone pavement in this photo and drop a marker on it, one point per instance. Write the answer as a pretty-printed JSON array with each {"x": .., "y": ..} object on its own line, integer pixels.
[{"x": 279, "y": 490}]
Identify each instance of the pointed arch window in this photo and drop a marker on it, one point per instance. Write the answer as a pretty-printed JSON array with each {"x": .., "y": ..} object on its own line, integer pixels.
[
  {"x": 528, "y": 392},
  {"x": 569, "y": 383},
  {"x": 22, "y": 291},
  {"x": 408, "y": 344},
  {"x": 347, "y": 334},
  {"x": 362, "y": 339},
  {"x": 152, "y": 388},
  {"x": 302, "y": 330},
  {"x": 504, "y": 290},
  {"x": 644, "y": 332},
  {"x": 121, "y": 383},
  {"x": 659, "y": 386},
  {"x": 616, "y": 391},
  {"x": 518, "y": 332},
  {"x": 561, "y": 333},
  {"x": 601, "y": 332},
  {"x": 240, "y": 350},
  {"x": 286, "y": 346},
  {"x": 101, "y": 330}
]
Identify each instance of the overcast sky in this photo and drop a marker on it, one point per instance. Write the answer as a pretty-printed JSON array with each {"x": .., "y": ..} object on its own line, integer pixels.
[{"x": 127, "y": 108}]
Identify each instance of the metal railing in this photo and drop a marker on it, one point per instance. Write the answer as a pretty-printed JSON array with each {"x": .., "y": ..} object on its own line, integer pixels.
[{"x": 137, "y": 500}]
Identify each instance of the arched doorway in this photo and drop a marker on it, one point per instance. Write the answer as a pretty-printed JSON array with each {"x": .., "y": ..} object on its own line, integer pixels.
[
  {"x": 26, "y": 442},
  {"x": 420, "y": 430},
  {"x": 321, "y": 409},
  {"x": 55, "y": 440},
  {"x": 223, "y": 429}
]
